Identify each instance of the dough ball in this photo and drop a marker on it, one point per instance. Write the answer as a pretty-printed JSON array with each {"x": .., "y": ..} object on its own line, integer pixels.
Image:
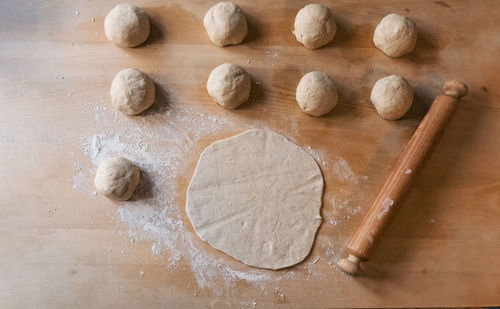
[
  {"x": 126, "y": 25},
  {"x": 229, "y": 85},
  {"x": 395, "y": 35},
  {"x": 316, "y": 93},
  {"x": 132, "y": 92},
  {"x": 314, "y": 26},
  {"x": 392, "y": 97},
  {"x": 225, "y": 24},
  {"x": 117, "y": 178}
]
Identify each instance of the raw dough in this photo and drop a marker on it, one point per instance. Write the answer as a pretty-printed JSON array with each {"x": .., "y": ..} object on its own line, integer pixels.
[
  {"x": 257, "y": 196},
  {"x": 117, "y": 178},
  {"x": 395, "y": 35},
  {"x": 132, "y": 92},
  {"x": 229, "y": 85},
  {"x": 316, "y": 93},
  {"x": 392, "y": 97},
  {"x": 225, "y": 24},
  {"x": 314, "y": 26},
  {"x": 126, "y": 25}
]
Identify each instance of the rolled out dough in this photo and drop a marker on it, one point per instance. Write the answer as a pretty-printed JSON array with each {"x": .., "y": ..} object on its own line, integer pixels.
[{"x": 257, "y": 196}]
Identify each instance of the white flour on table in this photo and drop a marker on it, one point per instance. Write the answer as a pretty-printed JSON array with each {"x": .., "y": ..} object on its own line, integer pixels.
[
  {"x": 159, "y": 143},
  {"x": 343, "y": 170}
]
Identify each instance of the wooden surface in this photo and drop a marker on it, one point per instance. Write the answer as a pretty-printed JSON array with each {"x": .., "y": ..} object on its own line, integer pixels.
[
  {"x": 62, "y": 246},
  {"x": 406, "y": 169}
]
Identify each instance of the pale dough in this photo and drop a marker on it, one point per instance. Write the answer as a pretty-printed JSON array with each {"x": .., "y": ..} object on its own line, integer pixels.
[
  {"x": 225, "y": 24},
  {"x": 316, "y": 93},
  {"x": 392, "y": 97},
  {"x": 132, "y": 92},
  {"x": 229, "y": 85},
  {"x": 314, "y": 26},
  {"x": 395, "y": 35},
  {"x": 117, "y": 178},
  {"x": 257, "y": 196},
  {"x": 127, "y": 25}
]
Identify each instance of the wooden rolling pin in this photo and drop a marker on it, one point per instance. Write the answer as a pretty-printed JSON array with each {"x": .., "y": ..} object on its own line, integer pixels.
[{"x": 408, "y": 165}]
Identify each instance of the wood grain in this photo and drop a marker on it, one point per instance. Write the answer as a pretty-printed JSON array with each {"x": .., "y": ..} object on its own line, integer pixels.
[
  {"x": 441, "y": 250},
  {"x": 405, "y": 171}
]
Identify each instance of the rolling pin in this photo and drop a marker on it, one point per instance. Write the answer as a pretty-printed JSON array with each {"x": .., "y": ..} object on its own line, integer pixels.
[{"x": 397, "y": 185}]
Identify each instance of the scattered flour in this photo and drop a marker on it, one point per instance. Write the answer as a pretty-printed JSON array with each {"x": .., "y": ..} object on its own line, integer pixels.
[
  {"x": 156, "y": 249},
  {"x": 343, "y": 170},
  {"x": 249, "y": 304},
  {"x": 280, "y": 292},
  {"x": 318, "y": 156},
  {"x": 249, "y": 276},
  {"x": 329, "y": 252},
  {"x": 160, "y": 144},
  {"x": 74, "y": 13},
  {"x": 308, "y": 266},
  {"x": 345, "y": 207},
  {"x": 388, "y": 202},
  {"x": 82, "y": 183}
]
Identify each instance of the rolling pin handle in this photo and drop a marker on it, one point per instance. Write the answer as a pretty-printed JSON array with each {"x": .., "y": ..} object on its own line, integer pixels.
[
  {"x": 350, "y": 265},
  {"x": 455, "y": 89}
]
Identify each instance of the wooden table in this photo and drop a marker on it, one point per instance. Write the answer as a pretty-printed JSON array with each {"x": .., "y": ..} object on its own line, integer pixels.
[{"x": 62, "y": 246}]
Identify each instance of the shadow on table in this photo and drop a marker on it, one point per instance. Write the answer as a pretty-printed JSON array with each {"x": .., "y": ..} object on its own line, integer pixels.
[{"x": 400, "y": 241}]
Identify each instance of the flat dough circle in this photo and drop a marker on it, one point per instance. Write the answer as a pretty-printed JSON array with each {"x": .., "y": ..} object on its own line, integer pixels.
[{"x": 257, "y": 196}]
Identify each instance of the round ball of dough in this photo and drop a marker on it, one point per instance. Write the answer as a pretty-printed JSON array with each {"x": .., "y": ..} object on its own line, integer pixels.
[
  {"x": 229, "y": 85},
  {"x": 225, "y": 24},
  {"x": 314, "y": 26},
  {"x": 117, "y": 178},
  {"x": 395, "y": 35},
  {"x": 392, "y": 97},
  {"x": 316, "y": 93},
  {"x": 126, "y": 25},
  {"x": 132, "y": 92}
]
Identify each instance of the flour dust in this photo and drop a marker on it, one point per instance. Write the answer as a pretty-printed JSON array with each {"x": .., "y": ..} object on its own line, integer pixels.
[{"x": 160, "y": 146}]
